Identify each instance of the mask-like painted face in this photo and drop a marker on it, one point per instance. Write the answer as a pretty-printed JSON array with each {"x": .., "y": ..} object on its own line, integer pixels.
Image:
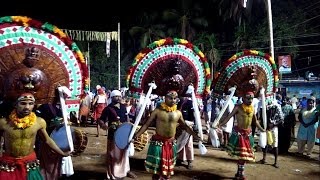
[
  {"x": 171, "y": 98},
  {"x": 248, "y": 98},
  {"x": 25, "y": 104}
]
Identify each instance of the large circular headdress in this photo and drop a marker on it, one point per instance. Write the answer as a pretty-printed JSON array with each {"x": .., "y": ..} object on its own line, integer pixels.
[
  {"x": 172, "y": 64},
  {"x": 248, "y": 71},
  {"x": 38, "y": 57}
]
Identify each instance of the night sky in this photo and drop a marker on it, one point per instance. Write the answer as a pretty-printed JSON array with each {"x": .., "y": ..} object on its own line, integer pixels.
[
  {"x": 101, "y": 15},
  {"x": 87, "y": 15}
]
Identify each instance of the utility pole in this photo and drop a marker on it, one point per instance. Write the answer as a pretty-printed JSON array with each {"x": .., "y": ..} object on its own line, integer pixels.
[
  {"x": 88, "y": 65},
  {"x": 119, "y": 57},
  {"x": 270, "y": 29}
]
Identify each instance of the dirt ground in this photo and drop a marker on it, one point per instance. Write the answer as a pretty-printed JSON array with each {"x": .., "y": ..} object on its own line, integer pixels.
[{"x": 216, "y": 164}]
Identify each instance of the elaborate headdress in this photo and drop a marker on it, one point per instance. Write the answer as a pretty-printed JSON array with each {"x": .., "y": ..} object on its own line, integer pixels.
[
  {"x": 38, "y": 57},
  {"x": 26, "y": 97},
  {"x": 248, "y": 71},
  {"x": 172, "y": 64}
]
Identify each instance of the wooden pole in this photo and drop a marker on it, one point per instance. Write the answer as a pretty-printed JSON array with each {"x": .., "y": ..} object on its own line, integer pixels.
[
  {"x": 119, "y": 57},
  {"x": 88, "y": 64}
]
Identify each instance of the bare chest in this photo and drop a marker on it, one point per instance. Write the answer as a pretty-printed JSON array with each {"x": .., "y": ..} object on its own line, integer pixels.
[
  {"x": 16, "y": 133},
  {"x": 168, "y": 116}
]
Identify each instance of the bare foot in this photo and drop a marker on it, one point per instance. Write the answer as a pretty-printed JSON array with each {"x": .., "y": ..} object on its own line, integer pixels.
[
  {"x": 262, "y": 161},
  {"x": 131, "y": 175},
  {"x": 275, "y": 165},
  {"x": 190, "y": 166}
]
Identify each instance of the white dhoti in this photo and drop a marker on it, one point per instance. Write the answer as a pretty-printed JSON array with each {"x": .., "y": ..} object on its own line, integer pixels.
[
  {"x": 117, "y": 161},
  {"x": 185, "y": 145},
  {"x": 273, "y": 137}
]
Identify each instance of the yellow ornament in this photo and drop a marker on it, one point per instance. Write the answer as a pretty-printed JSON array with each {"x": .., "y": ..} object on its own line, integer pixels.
[
  {"x": 247, "y": 108},
  {"x": 24, "y": 122},
  {"x": 168, "y": 108}
]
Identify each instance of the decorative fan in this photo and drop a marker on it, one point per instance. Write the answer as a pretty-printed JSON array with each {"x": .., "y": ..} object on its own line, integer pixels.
[
  {"x": 38, "y": 57},
  {"x": 172, "y": 64},
  {"x": 248, "y": 71}
]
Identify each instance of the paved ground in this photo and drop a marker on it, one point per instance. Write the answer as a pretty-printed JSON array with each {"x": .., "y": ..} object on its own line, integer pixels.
[{"x": 216, "y": 164}]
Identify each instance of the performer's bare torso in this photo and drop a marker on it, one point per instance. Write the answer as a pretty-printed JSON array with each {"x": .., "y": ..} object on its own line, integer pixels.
[
  {"x": 244, "y": 119},
  {"x": 19, "y": 142},
  {"x": 166, "y": 122}
]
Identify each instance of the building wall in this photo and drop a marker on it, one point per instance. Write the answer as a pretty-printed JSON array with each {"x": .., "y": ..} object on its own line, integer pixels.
[{"x": 301, "y": 89}]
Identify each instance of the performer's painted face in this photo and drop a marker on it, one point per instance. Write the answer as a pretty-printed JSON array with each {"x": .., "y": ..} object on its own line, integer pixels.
[
  {"x": 248, "y": 98},
  {"x": 25, "y": 105},
  {"x": 171, "y": 98}
]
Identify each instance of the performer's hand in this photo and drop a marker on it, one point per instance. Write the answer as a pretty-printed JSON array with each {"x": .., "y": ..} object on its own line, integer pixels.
[
  {"x": 66, "y": 154},
  {"x": 199, "y": 139},
  {"x": 271, "y": 126},
  {"x": 133, "y": 139}
]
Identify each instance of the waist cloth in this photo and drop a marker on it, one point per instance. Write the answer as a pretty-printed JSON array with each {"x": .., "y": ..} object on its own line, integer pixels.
[
  {"x": 18, "y": 168},
  {"x": 161, "y": 156},
  {"x": 241, "y": 144}
]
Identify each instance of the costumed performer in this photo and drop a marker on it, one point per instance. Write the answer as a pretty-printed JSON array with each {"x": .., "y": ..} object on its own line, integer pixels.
[
  {"x": 241, "y": 141},
  {"x": 181, "y": 64},
  {"x": 162, "y": 152},
  {"x": 19, "y": 160},
  {"x": 250, "y": 72}
]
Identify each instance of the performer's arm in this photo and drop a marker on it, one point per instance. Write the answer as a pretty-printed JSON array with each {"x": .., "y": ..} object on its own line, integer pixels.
[
  {"x": 226, "y": 119},
  {"x": 44, "y": 135},
  {"x": 255, "y": 120},
  {"x": 147, "y": 124},
  {"x": 186, "y": 127}
]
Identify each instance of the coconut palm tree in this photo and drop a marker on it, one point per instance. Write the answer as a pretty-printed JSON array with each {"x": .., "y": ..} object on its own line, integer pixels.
[{"x": 189, "y": 18}]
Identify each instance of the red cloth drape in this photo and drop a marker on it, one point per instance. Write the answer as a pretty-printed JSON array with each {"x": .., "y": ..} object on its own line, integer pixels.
[{"x": 20, "y": 172}]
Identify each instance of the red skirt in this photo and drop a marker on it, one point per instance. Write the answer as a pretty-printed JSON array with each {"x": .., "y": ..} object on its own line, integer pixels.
[
  {"x": 241, "y": 144},
  {"x": 98, "y": 111},
  {"x": 20, "y": 170}
]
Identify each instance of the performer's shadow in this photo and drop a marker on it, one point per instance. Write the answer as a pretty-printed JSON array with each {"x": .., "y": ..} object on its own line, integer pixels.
[
  {"x": 199, "y": 175},
  {"x": 138, "y": 165}
]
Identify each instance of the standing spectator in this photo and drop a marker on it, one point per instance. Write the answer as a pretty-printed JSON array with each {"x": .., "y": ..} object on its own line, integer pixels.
[
  {"x": 303, "y": 103},
  {"x": 308, "y": 118},
  {"x": 85, "y": 105},
  {"x": 294, "y": 102},
  {"x": 113, "y": 115},
  {"x": 274, "y": 119},
  {"x": 185, "y": 140},
  {"x": 286, "y": 130},
  {"x": 99, "y": 103}
]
